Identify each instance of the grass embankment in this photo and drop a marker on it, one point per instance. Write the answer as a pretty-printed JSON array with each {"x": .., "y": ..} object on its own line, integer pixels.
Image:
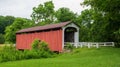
[
  {"x": 1, "y": 45},
  {"x": 82, "y": 57}
]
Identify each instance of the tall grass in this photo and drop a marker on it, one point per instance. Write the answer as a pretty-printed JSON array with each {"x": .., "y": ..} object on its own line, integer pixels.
[{"x": 39, "y": 50}]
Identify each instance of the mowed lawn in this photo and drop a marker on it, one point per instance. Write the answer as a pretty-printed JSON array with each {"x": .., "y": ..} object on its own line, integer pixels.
[{"x": 82, "y": 57}]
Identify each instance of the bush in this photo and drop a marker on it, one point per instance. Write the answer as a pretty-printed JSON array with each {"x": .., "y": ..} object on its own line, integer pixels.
[
  {"x": 35, "y": 44},
  {"x": 30, "y": 54},
  {"x": 40, "y": 45},
  {"x": 39, "y": 50},
  {"x": 9, "y": 53},
  {"x": 2, "y": 40},
  {"x": 69, "y": 46}
]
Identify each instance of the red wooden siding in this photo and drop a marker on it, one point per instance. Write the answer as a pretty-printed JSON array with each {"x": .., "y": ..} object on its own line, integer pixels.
[{"x": 52, "y": 37}]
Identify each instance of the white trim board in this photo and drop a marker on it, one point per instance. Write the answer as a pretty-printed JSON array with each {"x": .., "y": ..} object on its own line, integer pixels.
[{"x": 76, "y": 34}]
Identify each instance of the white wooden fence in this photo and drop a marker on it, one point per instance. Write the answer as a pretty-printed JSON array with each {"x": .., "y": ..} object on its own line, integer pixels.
[{"x": 91, "y": 44}]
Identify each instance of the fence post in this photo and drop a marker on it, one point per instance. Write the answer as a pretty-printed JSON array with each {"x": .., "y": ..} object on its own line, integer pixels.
[
  {"x": 76, "y": 45},
  {"x": 88, "y": 45},
  {"x": 113, "y": 44},
  {"x": 97, "y": 45},
  {"x": 81, "y": 45},
  {"x": 104, "y": 44}
]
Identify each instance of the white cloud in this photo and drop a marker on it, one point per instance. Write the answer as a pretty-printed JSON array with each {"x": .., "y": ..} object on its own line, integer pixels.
[
  {"x": 23, "y": 8},
  {"x": 74, "y": 5}
]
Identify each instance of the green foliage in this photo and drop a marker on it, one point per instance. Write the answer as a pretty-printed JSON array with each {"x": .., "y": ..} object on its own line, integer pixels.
[
  {"x": 64, "y": 14},
  {"x": 2, "y": 40},
  {"x": 31, "y": 54},
  {"x": 40, "y": 45},
  {"x": 117, "y": 37},
  {"x": 84, "y": 21},
  {"x": 92, "y": 26},
  {"x": 5, "y": 21},
  {"x": 44, "y": 13},
  {"x": 102, "y": 57},
  {"x": 106, "y": 19},
  {"x": 39, "y": 50},
  {"x": 19, "y": 23},
  {"x": 36, "y": 44},
  {"x": 42, "y": 48},
  {"x": 69, "y": 46},
  {"x": 104, "y": 5},
  {"x": 9, "y": 53},
  {"x": 117, "y": 44}
]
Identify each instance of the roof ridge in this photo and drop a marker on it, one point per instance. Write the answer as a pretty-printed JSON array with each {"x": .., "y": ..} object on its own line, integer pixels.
[{"x": 45, "y": 27}]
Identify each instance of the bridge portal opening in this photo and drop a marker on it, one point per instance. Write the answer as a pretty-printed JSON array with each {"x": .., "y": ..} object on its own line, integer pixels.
[{"x": 69, "y": 34}]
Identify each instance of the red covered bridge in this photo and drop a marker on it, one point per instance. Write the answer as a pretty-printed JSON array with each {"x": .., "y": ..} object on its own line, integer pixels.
[{"x": 54, "y": 34}]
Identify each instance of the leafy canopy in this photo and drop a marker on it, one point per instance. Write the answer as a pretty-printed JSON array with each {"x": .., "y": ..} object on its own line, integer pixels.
[
  {"x": 44, "y": 13},
  {"x": 64, "y": 14},
  {"x": 106, "y": 17},
  {"x": 4, "y": 22},
  {"x": 19, "y": 23}
]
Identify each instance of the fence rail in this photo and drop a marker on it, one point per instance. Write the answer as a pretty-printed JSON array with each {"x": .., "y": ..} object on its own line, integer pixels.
[{"x": 91, "y": 44}]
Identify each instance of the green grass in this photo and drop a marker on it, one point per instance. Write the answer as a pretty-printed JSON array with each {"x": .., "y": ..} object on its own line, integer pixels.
[
  {"x": 1, "y": 45},
  {"x": 93, "y": 57}
]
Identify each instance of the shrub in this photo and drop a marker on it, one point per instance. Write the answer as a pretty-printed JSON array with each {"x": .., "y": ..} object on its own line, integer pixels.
[
  {"x": 40, "y": 45},
  {"x": 30, "y": 54},
  {"x": 8, "y": 53},
  {"x": 39, "y": 50},
  {"x": 44, "y": 47},
  {"x": 35, "y": 44},
  {"x": 69, "y": 46}
]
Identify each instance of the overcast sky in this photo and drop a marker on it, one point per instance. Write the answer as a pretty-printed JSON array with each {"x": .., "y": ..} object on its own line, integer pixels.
[{"x": 23, "y": 8}]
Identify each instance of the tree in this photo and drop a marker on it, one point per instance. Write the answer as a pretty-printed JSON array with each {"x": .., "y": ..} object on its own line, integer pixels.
[
  {"x": 98, "y": 28},
  {"x": 5, "y": 21},
  {"x": 1, "y": 39},
  {"x": 64, "y": 14},
  {"x": 19, "y": 23},
  {"x": 85, "y": 22},
  {"x": 92, "y": 26},
  {"x": 111, "y": 12},
  {"x": 44, "y": 13}
]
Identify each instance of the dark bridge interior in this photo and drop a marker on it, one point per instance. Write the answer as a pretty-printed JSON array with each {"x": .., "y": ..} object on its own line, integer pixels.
[{"x": 69, "y": 34}]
